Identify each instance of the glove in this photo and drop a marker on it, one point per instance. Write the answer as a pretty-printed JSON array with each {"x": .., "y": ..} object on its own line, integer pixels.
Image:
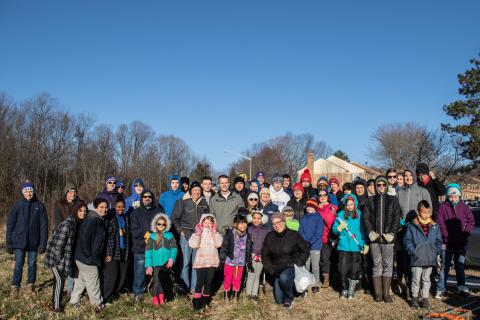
[
  {"x": 10, "y": 249},
  {"x": 170, "y": 263},
  {"x": 41, "y": 250},
  {"x": 149, "y": 271},
  {"x": 365, "y": 249},
  {"x": 373, "y": 236},
  {"x": 388, "y": 237},
  {"x": 146, "y": 236},
  {"x": 439, "y": 261},
  {"x": 402, "y": 222},
  {"x": 198, "y": 230},
  {"x": 341, "y": 226}
]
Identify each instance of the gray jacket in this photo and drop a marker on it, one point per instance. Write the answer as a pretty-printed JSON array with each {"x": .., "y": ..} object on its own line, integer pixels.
[
  {"x": 186, "y": 214},
  {"x": 409, "y": 196},
  {"x": 225, "y": 209}
]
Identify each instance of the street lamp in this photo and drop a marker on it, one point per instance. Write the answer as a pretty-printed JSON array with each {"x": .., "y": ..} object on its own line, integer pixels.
[{"x": 243, "y": 156}]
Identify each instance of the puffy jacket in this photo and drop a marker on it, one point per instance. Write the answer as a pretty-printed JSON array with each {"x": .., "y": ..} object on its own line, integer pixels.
[
  {"x": 158, "y": 255},
  {"x": 311, "y": 229},
  {"x": 186, "y": 214},
  {"x": 382, "y": 215},
  {"x": 258, "y": 235},
  {"x": 456, "y": 224},
  {"x": 423, "y": 250},
  {"x": 228, "y": 247},
  {"x": 269, "y": 208},
  {"x": 90, "y": 240},
  {"x": 354, "y": 225},
  {"x": 298, "y": 207},
  {"x": 409, "y": 196}
]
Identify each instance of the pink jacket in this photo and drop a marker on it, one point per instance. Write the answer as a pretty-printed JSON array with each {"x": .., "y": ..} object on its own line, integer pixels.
[
  {"x": 206, "y": 241},
  {"x": 328, "y": 213}
]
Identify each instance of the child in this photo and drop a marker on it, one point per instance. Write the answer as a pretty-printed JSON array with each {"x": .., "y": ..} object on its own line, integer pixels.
[
  {"x": 160, "y": 254},
  {"x": 58, "y": 256},
  {"x": 329, "y": 213},
  {"x": 236, "y": 252},
  {"x": 206, "y": 240},
  {"x": 258, "y": 232},
  {"x": 423, "y": 243},
  {"x": 292, "y": 223},
  {"x": 351, "y": 243},
  {"x": 311, "y": 229}
]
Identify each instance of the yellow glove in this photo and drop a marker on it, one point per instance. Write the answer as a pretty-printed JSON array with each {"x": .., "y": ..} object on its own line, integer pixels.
[
  {"x": 341, "y": 226},
  {"x": 146, "y": 236},
  {"x": 365, "y": 249}
]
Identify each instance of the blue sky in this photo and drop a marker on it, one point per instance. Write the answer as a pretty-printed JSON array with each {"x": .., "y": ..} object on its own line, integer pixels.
[{"x": 225, "y": 74}]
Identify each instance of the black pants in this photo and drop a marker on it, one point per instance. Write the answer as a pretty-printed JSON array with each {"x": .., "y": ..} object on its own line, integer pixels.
[
  {"x": 114, "y": 276},
  {"x": 403, "y": 266},
  {"x": 205, "y": 278},
  {"x": 325, "y": 258},
  {"x": 349, "y": 264},
  {"x": 58, "y": 283},
  {"x": 160, "y": 277}
]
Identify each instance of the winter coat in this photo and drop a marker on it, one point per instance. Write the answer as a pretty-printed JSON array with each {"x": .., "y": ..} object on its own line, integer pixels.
[
  {"x": 258, "y": 235},
  {"x": 422, "y": 250},
  {"x": 298, "y": 207},
  {"x": 409, "y": 196},
  {"x": 292, "y": 224},
  {"x": 27, "y": 225},
  {"x": 59, "y": 253},
  {"x": 186, "y": 215},
  {"x": 206, "y": 242},
  {"x": 328, "y": 213},
  {"x": 382, "y": 215},
  {"x": 113, "y": 238},
  {"x": 133, "y": 202},
  {"x": 169, "y": 198},
  {"x": 140, "y": 221},
  {"x": 279, "y": 198},
  {"x": 90, "y": 240},
  {"x": 110, "y": 196},
  {"x": 436, "y": 189},
  {"x": 224, "y": 209},
  {"x": 283, "y": 250},
  {"x": 309, "y": 192},
  {"x": 62, "y": 210},
  {"x": 228, "y": 247},
  {"x": 354, "y": 225},
  {"x": 269, "y": 208},
  {"x": 167, "y": 249},
  {"x": 311, "y": 229},
  {"x": 456, "y": 224}
]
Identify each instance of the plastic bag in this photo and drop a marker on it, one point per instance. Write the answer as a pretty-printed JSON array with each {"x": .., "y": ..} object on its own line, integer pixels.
[{"x": 303, "y": 279}]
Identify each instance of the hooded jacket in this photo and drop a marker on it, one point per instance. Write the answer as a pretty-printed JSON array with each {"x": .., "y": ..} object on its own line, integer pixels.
[
  {"x": 354, "y": 225},
  {"x": 187, "y": 213},
  {"x": 140, "y": 221},
  {"x": 110, "y": 196},
  {"x": 133, "y": 202},
  {"x": 157, "y": 255},
  {"x": 228, "y": 247},
  {"x": 311, "y": 229},
  {"x": 169, "y": 198},
  {"x": 328, "y": 213},
  {"x": 423, "y": 250},
  {"x": 207, "y": 242}
]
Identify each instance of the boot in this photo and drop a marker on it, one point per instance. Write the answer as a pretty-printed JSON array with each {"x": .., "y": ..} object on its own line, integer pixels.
[
  {"x": 206, "y": 301},
  {"x": 387, "y": 281},
  {"x": 326, "y": 282},
  {"x": 352, "y": 284},
  {"x": 344, "y": 294},
  {"x": 197, "y": 303},
  {"x": 377, "y": 288},
  {"x": 155, "y": 300},
  {"x": 30, "y": 288},
  {"x": 315, "y": 290},
  {"x": 161, "y": 299},
  {"x": 425, "y": 304},
  {"x": 14, "y": 292},
  {"x": 414, "y": 304}
]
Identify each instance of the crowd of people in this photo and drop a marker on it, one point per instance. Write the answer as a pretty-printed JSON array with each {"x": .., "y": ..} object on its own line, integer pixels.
[{"x": 244, "y": 235}]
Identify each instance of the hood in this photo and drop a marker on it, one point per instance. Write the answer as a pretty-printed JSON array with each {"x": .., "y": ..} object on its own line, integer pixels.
[
  {"x": 383, "y": 179},
  {"x": 135, "y": 181},
  {"x": 272, "y": 191},
  {"x": 354, "y": 197},
  {"x": 451, "y": 186},
  {"x": 174, "y": 177},
  {"x": 153, "y": 224},
  {"x": 264, "y": 216},
  {"x": 153, "y": 198},
  {"x": 207, "y": 215}
]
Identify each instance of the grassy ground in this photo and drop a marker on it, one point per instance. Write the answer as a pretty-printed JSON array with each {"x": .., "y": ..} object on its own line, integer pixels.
[{"x": 324, "y": 305}]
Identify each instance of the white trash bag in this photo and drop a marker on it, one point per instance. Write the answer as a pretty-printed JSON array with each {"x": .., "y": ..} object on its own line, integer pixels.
[{"x": 303, "y": 279}]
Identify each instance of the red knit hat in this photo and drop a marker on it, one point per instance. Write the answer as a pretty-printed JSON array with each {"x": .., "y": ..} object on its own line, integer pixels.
[
  {"x": 334, "y": 179},
  {"x": 312, "y": 203},
  {"x": 306, "y": 176},
  {"x": 298, "y": 186}
]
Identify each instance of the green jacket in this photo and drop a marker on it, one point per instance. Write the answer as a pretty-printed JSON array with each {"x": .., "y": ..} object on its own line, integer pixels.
[
  {"x": 167, "y": 250},
  {"x": 293, "y": 224}
]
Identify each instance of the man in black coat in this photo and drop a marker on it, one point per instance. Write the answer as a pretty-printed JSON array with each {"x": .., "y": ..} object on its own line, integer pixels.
[{"x": 435, "y": 187}]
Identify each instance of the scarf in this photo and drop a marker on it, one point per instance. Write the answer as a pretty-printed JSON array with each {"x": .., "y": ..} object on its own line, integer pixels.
[{"x": 121, "y": 230}]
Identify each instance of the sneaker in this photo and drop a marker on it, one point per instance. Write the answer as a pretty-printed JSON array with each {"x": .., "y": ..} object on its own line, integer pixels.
[
  {"x": 99, "y": 308},
  {"x": 425, "y": 304},
  {"x": 439, "y": 295},
  {"x": 14, "y": 292},
  {"x": 463, "y": 290},
  {"x": 414, "y": 303},
  {"x": 30, "y": 288},
  {"x": 315, "y": 290},
  {"x": 138, "y": 297},
  {"x": 344, "y": 294},
  {"x": 304, "y": 294},
  {"x": 288, "y": 305}
]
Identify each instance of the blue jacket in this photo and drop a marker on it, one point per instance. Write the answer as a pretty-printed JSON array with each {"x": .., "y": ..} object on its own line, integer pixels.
[
  {"x": 27, "y": 225},
  {"x": 90, "y": 240},
  {"x": 133, "y": 202},
  {"x": 169, "y": 198},
  {"x": 423, "y": 250},
  {"x": 311, "y": 229},
  {"x": 355, "y": 226}
]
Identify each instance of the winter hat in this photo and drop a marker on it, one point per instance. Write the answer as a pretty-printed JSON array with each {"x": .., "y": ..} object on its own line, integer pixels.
[
  {"x": 238, "y": 179},
  {"x": 322, "y": 178},
  {"x": 422, "y": 168},
  {"x": 298, "y": 186},
  {"x": 260, "y": 212},
  {"x": 185, "y": 180},
  {"x": 380, "y": 179},
  {"x": 278, "y": 215},
  {"x": 243, "y": 175},
  {"x": 312, "y": 203},
  {"x": 69, "y": 187},
  {"x": 277, "y": 178},
  {"x": 120, "y": 183},
  {"x": 195, "y": 184},
  {"x": 252, "y": 195},
  {"x": 27, "y": 186},
  {"x": 453, "y": 189},
  {"x": 287, "y": 208},
  {"x": 260, "y": 173},
  {"x": 360, "y": 181},
  {"x": 334, "y": 180},
  {"x": 109, "y": 179},
  {"x": 306, "y": 176}
]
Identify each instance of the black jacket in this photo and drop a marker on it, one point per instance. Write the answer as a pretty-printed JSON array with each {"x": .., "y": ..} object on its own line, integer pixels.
[
  {"x": 228, "y": 246},
  {"x": 282, "y": 250},
  {"x": 91, "y": 239},
  {"x": 298, "y": 207},
  {"x": 186, "y": 214},
  {"x": 309, "y": 192},
  {"x": 382, "y": 215}
]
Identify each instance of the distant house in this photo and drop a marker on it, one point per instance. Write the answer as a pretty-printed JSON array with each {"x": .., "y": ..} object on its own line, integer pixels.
[{"x": 333, "y": 166}]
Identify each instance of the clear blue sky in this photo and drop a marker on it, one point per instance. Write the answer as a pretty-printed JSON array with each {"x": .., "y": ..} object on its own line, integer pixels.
[{"x": 225, "y": 74}]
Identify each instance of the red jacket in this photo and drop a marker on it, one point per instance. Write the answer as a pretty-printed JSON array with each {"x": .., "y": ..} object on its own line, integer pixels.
[{"x": 328, "y": 213}]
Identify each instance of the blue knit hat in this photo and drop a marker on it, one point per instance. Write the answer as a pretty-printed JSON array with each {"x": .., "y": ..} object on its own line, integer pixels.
[{"x": 27, "y": 185}]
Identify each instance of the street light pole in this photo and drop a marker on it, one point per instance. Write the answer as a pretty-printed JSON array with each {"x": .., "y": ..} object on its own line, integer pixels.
[{"x": 243, "y": 156}]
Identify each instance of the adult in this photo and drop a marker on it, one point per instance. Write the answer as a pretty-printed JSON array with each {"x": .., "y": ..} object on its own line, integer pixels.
[
  {"x": 120, "y": 187},
  {"x": 322, "y": 185},
  {"x": 282, "y": 249},
  {"x": 392, "y": 187},
  {"x": 239, "y": 188},
  {"x": 267, "y": 206},
  {"x": 306, "y": 181},
  {"x": 64, "y": 207},
  {"x": 427, "y": 179},
  {"x": 170, "y": 197},
  {"x": 260, "y": 176},
  {"x": 109, "y": 193},
  {"x": 255, "y": 186},
  {"x": 252, "y": 202},
  {"x": 400, "y": 179},
  {"x": 133, "y": 202},
  {"x": 456, "y": 223},
  {"x": 140, "y": 221},
  {"x": 286, "y": 184},
  {"x": 297, "y": 202},
  {"x": 207, "y": 191},
  {"x": 277, "y": 194},
  {"x": 186, "y": 215},
  {"x": 335, "y": 189},
  {"x": 185, "y": 184},
  {"x": 27, "y": 235},
  {"x": 371, "y": 187},
  {"x": 360, "y": 191},
  {"x": 225, "y": 204}
]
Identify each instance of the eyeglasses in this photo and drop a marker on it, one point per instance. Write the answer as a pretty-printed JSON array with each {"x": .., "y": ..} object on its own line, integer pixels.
[
  {"x": 381, "y": 185},
  {"x": 161, "y": 224},
  {"x": 147, "y": 197},
  {"x": 392, "y": 177},
  {"x": 252, "y": 199},
  {"x": 277, "y": 223},
  {"x": 111, "y": 182},
  {"x": 323, "y": 195}
]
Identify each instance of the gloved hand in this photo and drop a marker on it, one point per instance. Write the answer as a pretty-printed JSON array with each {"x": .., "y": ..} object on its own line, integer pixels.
[
  {"x": 149, "y": 271},
  {"x": 373, "y": 236},
  {"x": 198, "y": 230},
  {"x": 170, "y": 263},
  {"x": 388, "y": 237},
  {"x": 10, "y": 249},
  {"x": 402, "y": 222},
  {"x": 342, "y": 225},
  {"x": 365, "y": 249},
  {"x": 146, "y": 236}
]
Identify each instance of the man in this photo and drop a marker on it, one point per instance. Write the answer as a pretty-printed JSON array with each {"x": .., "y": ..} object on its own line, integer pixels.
[
  {"x": 120, "y": 188},
  {"x": 140, "y": 222},
  {"x": 27, "y": 234},
  {"x": 168, "y": 198},
  {"x": 207, "y": 191},
  {"x": 334, "y": 184},
  {"x": 298, "y": 202},
  {"x": 278, "y": 196},
  {"x": 109, "y": 193},
  {"x": 133, "y": 202},
  {"x": 435, "y": 187},
  {"x": 185, "y": 184},
  {"x": 286, "y": 184},
  {"x": 63, "y": 207},
  {"x": 306, "y": 181},
  {"x": 267, "y": 206},
  {"x": 186, "y": 215},
  {"x": 260, "y": 176},
  {"x": 239, "y": 188},
  {"x": 225, "y": 204}
]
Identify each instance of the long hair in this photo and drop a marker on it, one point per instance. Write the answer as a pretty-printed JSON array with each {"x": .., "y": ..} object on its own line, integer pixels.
[{"x": 354, "y": 212}]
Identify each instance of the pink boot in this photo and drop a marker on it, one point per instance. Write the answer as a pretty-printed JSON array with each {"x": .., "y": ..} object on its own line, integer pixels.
[
  {"x": 161, "y": 299},
  {"x": 155, "y": 300}
]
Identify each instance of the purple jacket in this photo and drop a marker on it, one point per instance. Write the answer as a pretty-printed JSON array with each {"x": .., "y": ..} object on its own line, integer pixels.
[
  {"x": 258, "y": 236},
  {"x": 456, "y": 225}
]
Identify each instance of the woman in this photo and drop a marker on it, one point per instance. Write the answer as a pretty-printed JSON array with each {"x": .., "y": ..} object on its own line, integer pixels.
[
  {"x": 298, "y": 202},
  {"x": 392, "y": 182},
  {"x": 282, "y": 249}
]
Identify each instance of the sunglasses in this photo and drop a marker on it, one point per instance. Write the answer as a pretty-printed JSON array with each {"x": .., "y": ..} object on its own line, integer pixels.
[
  {"x": 161, "y": 224},
  {"x": 392, "y": 177},
  {"x": 147, "y": 197},
  {"x": 323, "y": 195},
  {"x": 381, "y": 185},
  {"x": 122, "y": 187},
  {"x": 111, "y": 182},
  {"x": 252, "y": 199}
]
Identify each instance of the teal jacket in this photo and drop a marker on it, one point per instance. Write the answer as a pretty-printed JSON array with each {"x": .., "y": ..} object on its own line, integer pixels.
[
  {"x": 157, "y": 257},
  {"x": 355, "y": 226}
]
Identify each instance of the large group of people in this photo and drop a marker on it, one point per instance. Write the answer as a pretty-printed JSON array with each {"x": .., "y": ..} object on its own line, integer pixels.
[{"x": 248, "y": 234}]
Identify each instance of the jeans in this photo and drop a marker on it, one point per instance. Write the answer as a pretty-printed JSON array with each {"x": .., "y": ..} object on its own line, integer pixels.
[
  {"x": 459, "y": 260},
  {"x": 188, "y": 255},
  {"x": 138, "y": 274},
  {"x": 283, "y": 286},
  {"x": 19, "y": 262}
]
